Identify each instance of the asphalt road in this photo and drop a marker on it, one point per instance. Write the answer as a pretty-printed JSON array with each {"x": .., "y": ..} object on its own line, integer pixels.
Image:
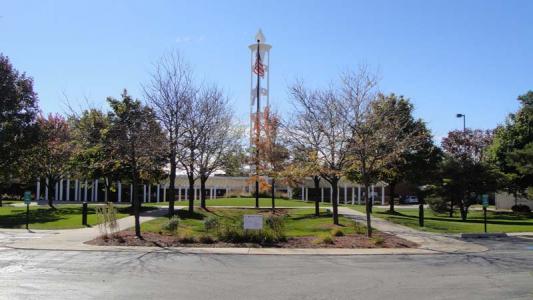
[{"x": 504, "y": 272}]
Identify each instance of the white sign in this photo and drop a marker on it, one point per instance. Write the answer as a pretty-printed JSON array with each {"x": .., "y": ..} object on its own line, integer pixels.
[{"x": 253, "y": 222}]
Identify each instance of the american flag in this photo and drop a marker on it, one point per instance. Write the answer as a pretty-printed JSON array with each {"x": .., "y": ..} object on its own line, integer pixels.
[{"x": 259, "y": 68}]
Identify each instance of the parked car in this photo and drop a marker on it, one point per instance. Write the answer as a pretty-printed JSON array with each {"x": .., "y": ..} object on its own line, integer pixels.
[{"x": 410, "y": 200}]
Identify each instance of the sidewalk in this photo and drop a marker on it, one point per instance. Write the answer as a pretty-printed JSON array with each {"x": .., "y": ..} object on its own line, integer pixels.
[
  {"x": 427, "y": 240},
  {"x": 73, "y": 240}
]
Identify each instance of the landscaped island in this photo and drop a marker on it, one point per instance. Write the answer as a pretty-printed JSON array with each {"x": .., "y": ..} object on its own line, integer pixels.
[{"x": 223, "y": 227}]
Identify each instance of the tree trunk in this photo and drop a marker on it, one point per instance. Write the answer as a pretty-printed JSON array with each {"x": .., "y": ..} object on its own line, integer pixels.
[
  {"x": 316, "y": 180},
  {"x": 136, "y": 205},
  {"x": 191, "y": 194},
  {"x": 52, "y": 194},
  {"x": 392, "y": 187},
  {"x": 273, "y": 195},
  {"x": 172, "y": 183},
  {"x": 368, "y": 206},
  {"x": 463, "y": 210},
  {"x": 203, "y": 179},
  {"x": 334, "y": 183},
  {"x": 451, "y": 208}
]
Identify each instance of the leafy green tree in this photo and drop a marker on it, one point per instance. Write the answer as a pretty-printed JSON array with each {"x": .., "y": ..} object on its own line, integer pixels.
[
  {"x": 135, "y": 138},
  {"x": 466, "y": 173},
  {"x": 18, "y": 113},
  {"x": 50, "y": 157},
  {"x": 414, "y": 155},
  {"x": 90, "y": 159},
  {"x": 511, "y": 148}
]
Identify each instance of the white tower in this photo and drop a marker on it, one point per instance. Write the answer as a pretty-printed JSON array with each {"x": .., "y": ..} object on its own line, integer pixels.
[{"x": 259, "y": 83}]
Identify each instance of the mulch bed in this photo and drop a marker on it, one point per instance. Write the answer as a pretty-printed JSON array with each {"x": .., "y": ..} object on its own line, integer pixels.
[{"x": 128, "y": 238}]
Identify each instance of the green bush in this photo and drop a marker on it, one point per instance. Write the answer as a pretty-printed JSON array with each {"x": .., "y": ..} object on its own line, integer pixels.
[
  {"x": 211, "y": 223},
  {"x": 326, "y": 239},
  {"x": 337, "y": 232},
  {"x": 172, "y": 224},
  {"x": 378, "y": 241},
  {"x": 438, "y": 205},
  {"x": 206, "y": 239},
  {"x": 277, "y": 225},
  {"x": 233, "y": 233}
]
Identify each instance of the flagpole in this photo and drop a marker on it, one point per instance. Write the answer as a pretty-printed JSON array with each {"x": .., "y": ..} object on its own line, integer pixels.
[{"x": 257, "y": 131}]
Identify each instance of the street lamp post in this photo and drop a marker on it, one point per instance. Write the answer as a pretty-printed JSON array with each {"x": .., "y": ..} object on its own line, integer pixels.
[{"x": 464, "y": 134}]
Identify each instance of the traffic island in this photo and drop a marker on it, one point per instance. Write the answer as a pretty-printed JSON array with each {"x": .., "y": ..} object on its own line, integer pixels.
[{"x": 226, "y": 228}]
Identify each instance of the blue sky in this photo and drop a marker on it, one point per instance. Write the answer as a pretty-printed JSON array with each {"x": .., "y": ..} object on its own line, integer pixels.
[{"x": 473, "y": 57}]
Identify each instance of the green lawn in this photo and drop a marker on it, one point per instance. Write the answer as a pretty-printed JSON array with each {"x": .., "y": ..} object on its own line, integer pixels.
[
  {"x": 263, "y": 202},
  {"x": 496, "y": 221},
  {"x": 66, "y": 216},
  {"x": 299, "y": 222}
]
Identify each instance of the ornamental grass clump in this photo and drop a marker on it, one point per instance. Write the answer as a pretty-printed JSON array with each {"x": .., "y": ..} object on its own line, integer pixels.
[
  {"x": 211, "y": 223},
  {"x": 172, "y": 225}
]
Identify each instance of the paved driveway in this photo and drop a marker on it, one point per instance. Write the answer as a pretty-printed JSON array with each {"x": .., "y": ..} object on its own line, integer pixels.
[{"x": 503, "y": 272}]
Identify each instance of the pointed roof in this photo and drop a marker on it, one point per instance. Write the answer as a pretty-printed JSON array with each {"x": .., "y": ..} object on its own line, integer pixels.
[{"x": 260, "y": 37}]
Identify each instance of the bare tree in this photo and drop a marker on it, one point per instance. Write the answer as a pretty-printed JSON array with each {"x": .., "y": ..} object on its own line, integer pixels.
[
  {"x": 170, "y": 92},
  {"x": 216, "y": 135},
  {"x": 322, "y": 126}
]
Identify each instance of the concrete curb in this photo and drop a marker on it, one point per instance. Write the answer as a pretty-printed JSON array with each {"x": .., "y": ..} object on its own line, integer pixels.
[{"x": 483, "y": 235}]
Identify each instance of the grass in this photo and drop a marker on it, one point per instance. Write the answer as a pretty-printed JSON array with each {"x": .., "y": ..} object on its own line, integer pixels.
[
  {"x": 442, "y": 223},
  {"x": 299, "y": 222},
  {"x": 263, "y": 202},
  {"x": 66, "y": 216}
]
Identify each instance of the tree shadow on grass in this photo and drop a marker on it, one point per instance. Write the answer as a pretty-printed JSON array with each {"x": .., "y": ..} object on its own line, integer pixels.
[{"x": 17, "y": 217}]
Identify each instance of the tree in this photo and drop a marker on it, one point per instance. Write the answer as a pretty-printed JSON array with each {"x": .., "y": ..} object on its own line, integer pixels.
[
  {"x": 333, "y": 114},
  {"x": 49, "y": 159},
  {"x": 381, "y": 134},
  {"x": 18, "y": 113},
  {"x": 466, "y": 174},
  {"x": 216, "y": 135},
  {"x": 408, "y": 160},
  {"x": 137, "y": 140},
  {"x": 511, "y": 148},
  {"x": 274, "y": 155},
  {"x": 90, "y": 158},
  {"x": 170, "y": 91}
]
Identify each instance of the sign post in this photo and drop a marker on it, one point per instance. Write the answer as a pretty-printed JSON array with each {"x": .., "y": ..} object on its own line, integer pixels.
[
  {"x": 27, "y": 201},
  {"x": 253, "y": 222},
  {"x": 485, "y": 202}
]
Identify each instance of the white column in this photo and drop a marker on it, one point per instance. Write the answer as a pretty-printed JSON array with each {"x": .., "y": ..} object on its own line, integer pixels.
[
  {"x": 46, "y": 190},
  {"x": 144, "y": 192},
  {"x": 372, "y": 194},
  {"x": 382, "y": 195},
  {"x": 68, "y": 189},
  {"x": 85, "y": 193},
  {"x": 194, "y": 193},
  {"x": 150, "y": 193},
  {"x": 186, "y": 194},
  {"x": 61, "y": 190},
  {"x": 322, "y": 195},
  {"x": 303, "y": 193},
  {"x": 158, "y": 188},
  {"x": 119, "y": 191},
  {"x": 211, "y": 193},
  {"x": 215, "y": 193},
  {"x": 338, "y": 194},
  {"x": 96, "y": 190},
  {"x": 306, "y": 194},
  {"x": 330, "y": 195},
  {"x": 76, "y": 189},
  {"x": 359, "y": 194},
  {"x": 345, "y": 194},
  {"x": 164, "y": 193},
  {"x": 131, "y": 193},
  {"x": 353, "y": 195},
  {"x": 56, "y": 192},
  {"x": 179, "y": 193},
  {"x": 38, "y": 190}
]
